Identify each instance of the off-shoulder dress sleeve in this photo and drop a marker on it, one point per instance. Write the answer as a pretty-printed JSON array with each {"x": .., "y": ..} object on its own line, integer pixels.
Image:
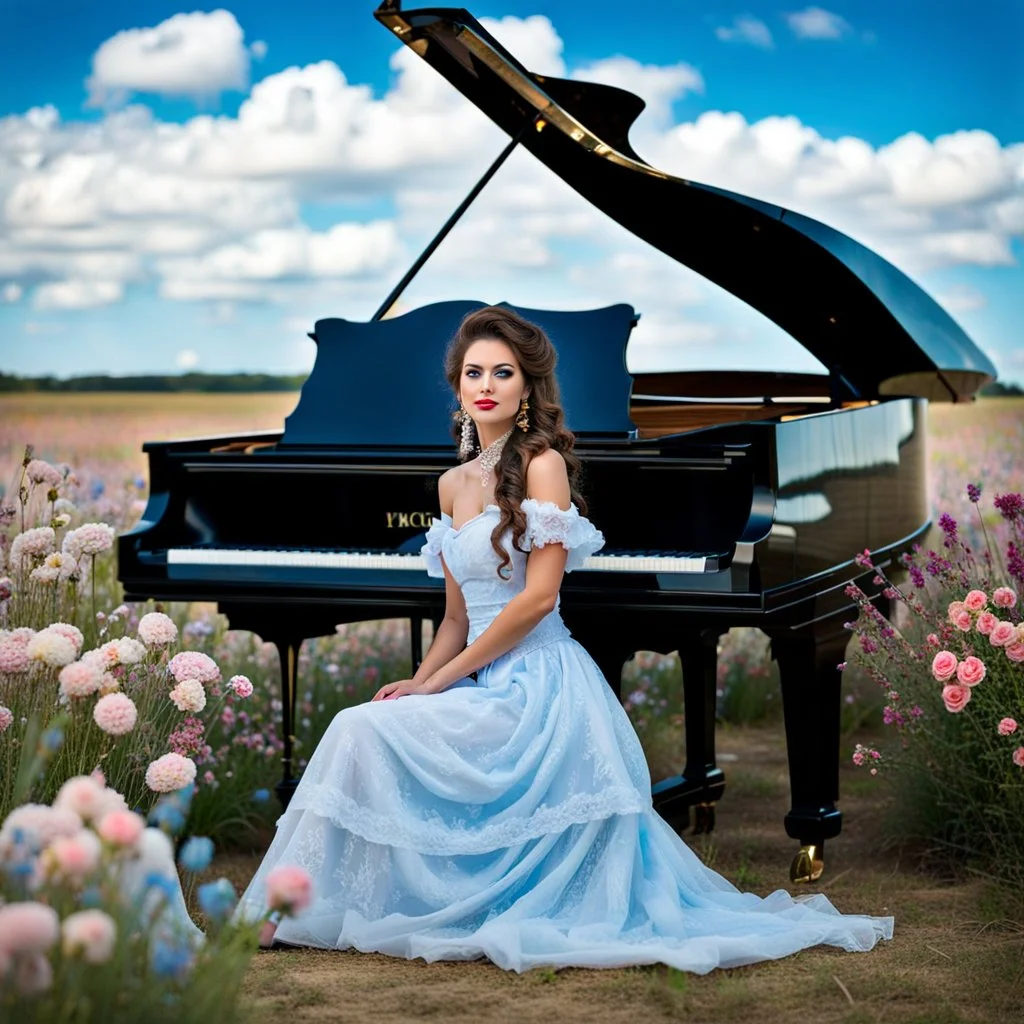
[
  {"x": 546, "y": 523},
  {"x": 431, "y": 550}
]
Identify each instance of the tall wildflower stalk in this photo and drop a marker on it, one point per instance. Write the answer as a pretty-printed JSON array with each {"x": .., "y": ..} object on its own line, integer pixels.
[{"x": 950, "y": 660}]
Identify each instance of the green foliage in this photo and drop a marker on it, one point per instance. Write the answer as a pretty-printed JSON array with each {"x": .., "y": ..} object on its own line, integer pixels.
[{"x": 218, "y": 383}]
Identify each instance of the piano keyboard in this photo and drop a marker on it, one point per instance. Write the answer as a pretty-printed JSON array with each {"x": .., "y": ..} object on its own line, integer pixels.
[{"x": 255, "y": 558}]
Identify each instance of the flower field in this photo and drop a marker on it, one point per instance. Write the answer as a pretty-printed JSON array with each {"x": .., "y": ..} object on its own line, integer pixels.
[{"x": 159, "y": 702}]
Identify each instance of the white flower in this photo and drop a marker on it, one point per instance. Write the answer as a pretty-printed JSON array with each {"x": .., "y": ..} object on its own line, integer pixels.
[
  {"x": 130, "y": 651},
  {"x": 52, "y": 649},
  {"x": 157, "y": 629},
  {"x": 31, "y": 546},
  {"x": 189, "y": 695}
]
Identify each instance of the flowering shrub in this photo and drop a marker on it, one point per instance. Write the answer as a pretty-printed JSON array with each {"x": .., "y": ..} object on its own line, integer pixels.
[
  {"x": 951, "y": 664},
  {"x": 93, "y": 924}
]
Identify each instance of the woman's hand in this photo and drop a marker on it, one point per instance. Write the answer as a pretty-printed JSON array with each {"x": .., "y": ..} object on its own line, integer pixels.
[{"x": 391, "y": 691}]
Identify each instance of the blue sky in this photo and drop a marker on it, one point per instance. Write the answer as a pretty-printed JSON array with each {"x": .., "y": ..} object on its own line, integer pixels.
[{"x": 195, "y": 196}]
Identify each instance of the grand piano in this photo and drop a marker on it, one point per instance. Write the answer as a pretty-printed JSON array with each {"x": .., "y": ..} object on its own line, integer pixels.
[{"x": 757, "y": 488}]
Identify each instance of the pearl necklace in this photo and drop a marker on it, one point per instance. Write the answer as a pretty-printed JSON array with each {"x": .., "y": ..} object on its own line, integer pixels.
[{"x": 488, "y": 458}]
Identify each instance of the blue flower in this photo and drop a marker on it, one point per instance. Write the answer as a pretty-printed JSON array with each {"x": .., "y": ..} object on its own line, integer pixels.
[
  {"x": 196, "y": 854},
  {"x": 170, "y": 960},
  {"x": 91, "y": 897},
  {"x": 217, "y": 899},
  {"x": 96, "y": 489},
  {"x": 261, "y": 796},
  {"x": 52, "y": 740},
  {"x": 168, "y": 886},
  {"x": 166, "y": 816}
]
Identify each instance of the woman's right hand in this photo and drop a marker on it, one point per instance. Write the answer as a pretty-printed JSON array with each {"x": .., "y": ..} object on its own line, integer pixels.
[{"x": 391, "y": 691}]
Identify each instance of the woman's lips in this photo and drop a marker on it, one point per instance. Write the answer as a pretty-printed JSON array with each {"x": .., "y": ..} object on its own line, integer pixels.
[{"x": 485, "y": 403}]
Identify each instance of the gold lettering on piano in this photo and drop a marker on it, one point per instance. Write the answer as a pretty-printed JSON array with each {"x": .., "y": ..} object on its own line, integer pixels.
[{"x": 409, "y": 520}]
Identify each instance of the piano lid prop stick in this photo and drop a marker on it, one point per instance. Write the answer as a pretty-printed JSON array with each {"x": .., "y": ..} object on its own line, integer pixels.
[{"x": 392, "y": 298}]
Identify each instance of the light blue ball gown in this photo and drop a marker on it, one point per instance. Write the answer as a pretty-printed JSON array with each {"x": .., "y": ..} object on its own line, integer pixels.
[{"x": 510, "y": 817}]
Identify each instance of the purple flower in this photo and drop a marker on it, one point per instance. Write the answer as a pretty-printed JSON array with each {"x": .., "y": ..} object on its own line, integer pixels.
[
  {"x": 868, "y": 646},
  {"x": 864, "y": 559},
  {"x": 916, "y": 575},
  {"x": 948, "y": 526},
  {"x": 1014, "y": 561},
  {"x": 1010, "y": 506},
  {"x": 974, "y": 493}
]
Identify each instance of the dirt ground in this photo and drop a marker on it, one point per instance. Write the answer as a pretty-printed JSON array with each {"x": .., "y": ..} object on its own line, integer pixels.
[{"x": 956, "y": 956}]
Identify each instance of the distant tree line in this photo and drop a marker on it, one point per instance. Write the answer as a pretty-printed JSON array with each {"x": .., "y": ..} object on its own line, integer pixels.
[
  {"x": 997, "y": 389},
  {"x": 211, "y": 382}
]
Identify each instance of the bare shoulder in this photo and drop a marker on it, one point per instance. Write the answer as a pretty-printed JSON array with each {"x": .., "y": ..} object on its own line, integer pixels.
[
  {"x": 447, "y": 486},
  {"x": 547, "y": 478}
]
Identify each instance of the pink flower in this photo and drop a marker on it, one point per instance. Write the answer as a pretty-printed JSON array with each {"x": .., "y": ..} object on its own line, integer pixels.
[
  {"x": 933, "y": 640},
  {"x": 1004, "y": 597},
  {"x": 1002, "y": 633},
  {"x": 944, "y": 665},
  {"x": 188, "y": 695},
  {"x": 6, "y": 718},
  {"x": 80, "y": 678},
  {"x": 40, "y": 472},
  {"x": 971, "y": 671},
  {"x": 32, "y": 974},
  {"x": 1018, "y": 760},
  {"x": 1015, "y": 651},
  {"x": 170, "y": 772},
  {"x": 14, "y": 653},
  {"x": 986, "y": 623},
  {"x": 73, "y": 633},
  {"x": 31, "y": 546},
  {"x": 1007, "y": 727},
  {"x": 194, "y": 665},
  {"x": 956, "y": 697},
  {"x": 81, "y": 794},
  {"x": 975, "y": 600},
  {"x": 90, "y": 933},
  {"x": 289, "y": 889},
  {"x": 72, "y": 857},
  {"x": 89, "y": 539},
  {"x": 241, "y": 686},
  {"x": 121, "y": 828},
  {"x": 963, "y": 621},
  {"x": 37, "y": 825},
  {"x": 858, "y": 757},
  {"x": 157, "y": 630},
  {"x": 115, "y": 714},
  {"x": 954, "y": 609},
  {"x": 51, "y": 649},
  {"x": 28, "y": 927}
]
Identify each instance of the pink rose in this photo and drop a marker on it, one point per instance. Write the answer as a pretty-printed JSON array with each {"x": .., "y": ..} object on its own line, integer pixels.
[
  {"x": 956, "y": 697},
  {"x": 954, "y": 609},
  {"x": 1004, "y": 597},
  {"x": 986, "y": 623},
  {"x": 1015, "y": 651},
  {"x": 971, "y": 671},
  {"x": 1002, "y": 633},
  {"x": 1007, "y": 727},
  {"x": 289, "y": 889},
  {"x": 975, "y": 600},
  {"x": 73, "y": 857},
  {"x": 933, "y": 640},
  {"x": 944, "y": 665},
  {"x": 963, "y": 621},
  {"x": 1018, "y": 757}
]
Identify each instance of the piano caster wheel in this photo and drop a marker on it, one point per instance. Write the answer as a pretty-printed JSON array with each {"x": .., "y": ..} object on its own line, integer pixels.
[
  {"x": 808, "y": 864},
  {"x": 703, "y": 818}
]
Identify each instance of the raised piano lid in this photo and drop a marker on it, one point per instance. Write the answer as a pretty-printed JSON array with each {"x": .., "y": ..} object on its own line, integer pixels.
[
  {"x": 878, "y": 332},
  {"x": 382, "y": 383}
]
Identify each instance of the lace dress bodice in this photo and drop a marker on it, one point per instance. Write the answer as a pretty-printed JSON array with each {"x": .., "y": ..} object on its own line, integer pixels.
[{"x": 473, "y": 562}]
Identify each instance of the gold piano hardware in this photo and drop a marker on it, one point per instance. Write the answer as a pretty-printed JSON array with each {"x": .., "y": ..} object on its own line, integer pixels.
[
  {"x": 245, "y": 447},
  {"x": 409, "y": 520}
]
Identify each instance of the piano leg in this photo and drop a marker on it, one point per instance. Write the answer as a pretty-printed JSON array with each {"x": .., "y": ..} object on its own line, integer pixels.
[
  {"x": 702, "y": 782},
  {"x": 810, "y": 679},
  {"x": 288, "y": 651},
  {"x": 416, "y": 641}
]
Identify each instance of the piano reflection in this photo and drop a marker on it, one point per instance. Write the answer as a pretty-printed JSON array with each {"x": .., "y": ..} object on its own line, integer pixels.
[{"x": 760, "y": 487}]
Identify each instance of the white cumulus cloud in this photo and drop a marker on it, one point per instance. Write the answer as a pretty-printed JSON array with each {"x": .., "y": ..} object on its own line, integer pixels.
[
  {"x": 199, "y": 55},
  {"x": 816, "y": 23},
  {"x": 186, "y": 359},
  {"x": 745, "y": 29},
  {"x": 77, "y": 294}
]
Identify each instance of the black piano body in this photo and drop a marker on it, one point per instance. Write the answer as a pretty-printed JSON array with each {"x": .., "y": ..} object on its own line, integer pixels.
[{"x": 726, "y": 499}]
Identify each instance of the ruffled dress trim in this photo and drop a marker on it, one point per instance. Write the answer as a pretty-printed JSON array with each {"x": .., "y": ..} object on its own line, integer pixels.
[
  {"x": 546, "y": 523},
  {"x": 431, "y": 550}
]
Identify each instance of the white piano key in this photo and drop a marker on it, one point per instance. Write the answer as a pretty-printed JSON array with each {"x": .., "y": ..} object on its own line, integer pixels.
[{"x": 367, "y": 560}]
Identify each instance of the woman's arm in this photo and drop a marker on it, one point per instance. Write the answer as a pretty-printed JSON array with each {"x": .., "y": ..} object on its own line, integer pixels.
[
  {"x": 451, "y": 634},
  {"x": 546, "y": 480}
]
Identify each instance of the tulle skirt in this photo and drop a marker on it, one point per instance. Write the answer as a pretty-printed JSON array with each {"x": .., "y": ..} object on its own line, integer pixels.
[{"x": 510, "y": 818}]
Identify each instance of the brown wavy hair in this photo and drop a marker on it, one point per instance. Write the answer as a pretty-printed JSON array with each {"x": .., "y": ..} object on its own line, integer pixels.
[{"x": 537, "y": 358}]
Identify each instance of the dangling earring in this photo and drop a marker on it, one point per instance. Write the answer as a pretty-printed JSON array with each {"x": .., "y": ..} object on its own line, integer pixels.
[
  {"x": 466, "y": 444},
  {"x": 522, "y": 421}
]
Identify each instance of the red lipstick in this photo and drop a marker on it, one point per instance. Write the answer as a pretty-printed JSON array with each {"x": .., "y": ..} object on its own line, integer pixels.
[{"x": 485, "y": 403}]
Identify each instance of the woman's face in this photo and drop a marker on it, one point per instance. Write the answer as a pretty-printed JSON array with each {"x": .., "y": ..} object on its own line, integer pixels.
[{"x": 492, "y": 385}]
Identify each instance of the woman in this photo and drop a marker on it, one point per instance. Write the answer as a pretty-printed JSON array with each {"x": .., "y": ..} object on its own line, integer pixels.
[{"x": 509, "y": 815}]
